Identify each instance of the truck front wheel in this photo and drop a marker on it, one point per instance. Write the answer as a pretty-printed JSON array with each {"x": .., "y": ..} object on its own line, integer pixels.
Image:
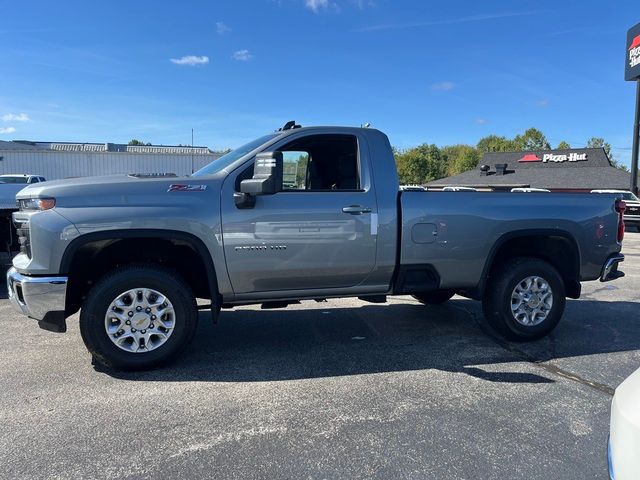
[
  {"x": 524, "y": 299},
  {"x": 138, "y": 317}
]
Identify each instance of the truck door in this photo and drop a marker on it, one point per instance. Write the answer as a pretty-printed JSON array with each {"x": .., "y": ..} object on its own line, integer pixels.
[{"x": 319, "y": 232}]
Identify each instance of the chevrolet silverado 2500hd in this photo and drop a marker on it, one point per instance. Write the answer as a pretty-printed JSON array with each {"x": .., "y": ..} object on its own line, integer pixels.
[{"x": 303, "y": 213}]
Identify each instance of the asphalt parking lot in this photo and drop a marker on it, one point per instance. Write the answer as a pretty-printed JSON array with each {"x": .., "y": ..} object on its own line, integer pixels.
[{"x": 342, "y": 389}]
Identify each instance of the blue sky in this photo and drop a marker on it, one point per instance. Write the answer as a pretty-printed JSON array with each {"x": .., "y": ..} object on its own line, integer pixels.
[{"x": 437, "y": 72}]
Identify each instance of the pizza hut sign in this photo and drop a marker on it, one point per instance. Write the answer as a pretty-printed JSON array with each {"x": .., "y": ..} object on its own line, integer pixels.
[
  {"x": 632, "y": 54},
  {"x": 555, "y": 157}
]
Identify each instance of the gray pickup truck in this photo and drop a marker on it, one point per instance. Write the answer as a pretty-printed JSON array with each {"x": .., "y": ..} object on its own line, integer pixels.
[{"x": 300, "y": 214}]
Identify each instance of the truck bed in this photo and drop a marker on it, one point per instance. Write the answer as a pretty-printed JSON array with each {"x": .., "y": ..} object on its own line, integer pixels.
[{"x": 457, "y": 233}]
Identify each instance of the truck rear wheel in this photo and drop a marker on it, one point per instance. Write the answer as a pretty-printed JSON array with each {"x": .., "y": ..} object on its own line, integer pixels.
[
  {"x": 138, "y": 317},
  {"x": 434, "y": 298},
  {"x": 524, "y": 299}
]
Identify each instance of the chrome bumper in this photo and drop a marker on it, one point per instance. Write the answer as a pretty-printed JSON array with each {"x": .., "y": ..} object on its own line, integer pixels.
[
  {"x": 40, "y": 298},
  {"x": 610, "y": 269}
]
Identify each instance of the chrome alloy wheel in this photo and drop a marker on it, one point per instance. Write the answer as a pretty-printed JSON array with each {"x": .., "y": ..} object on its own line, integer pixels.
[
  {"x": 140, "y": 320},
  {"x": 531, "y": 301}
]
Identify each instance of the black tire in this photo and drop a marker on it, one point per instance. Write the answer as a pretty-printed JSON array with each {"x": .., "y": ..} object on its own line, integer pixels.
[
  {"x": 497, "y": 301},
  {"x": 434, "y": 298},
  {"x": 94, "y": 309}
]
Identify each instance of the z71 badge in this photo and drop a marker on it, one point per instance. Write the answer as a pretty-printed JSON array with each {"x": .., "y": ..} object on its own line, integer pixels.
[{"x": 181, "y": 187}]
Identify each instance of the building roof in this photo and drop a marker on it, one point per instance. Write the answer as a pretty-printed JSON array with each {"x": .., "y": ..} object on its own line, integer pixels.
[
  {"x": 21, "y": 145},
  {"x": 570, "y": 169},
  {"x": 16, "y": 146}
]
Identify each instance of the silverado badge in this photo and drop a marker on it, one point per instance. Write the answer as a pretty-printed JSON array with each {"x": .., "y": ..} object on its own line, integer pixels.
[{"x": 181, "y": 187}]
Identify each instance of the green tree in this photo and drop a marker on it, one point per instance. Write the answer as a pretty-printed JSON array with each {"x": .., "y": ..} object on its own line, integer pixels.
[
  {"x": 531, "y": 139},
  {"x": 135, "y": 141},
  {"x": 421, "y": 164},
  {"x": 495, "y": 143},
  {"x": 301, "y": 171},
  {"x": 563, "y": 145},
  {"x": 460, "y": 158},
  {"x": 598, "y": 142}
]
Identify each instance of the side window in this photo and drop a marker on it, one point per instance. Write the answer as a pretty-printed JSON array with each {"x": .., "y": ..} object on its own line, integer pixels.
[
  {"x": 34, "y": 180},
  {"x": 325, "y": 162},
  {"x": 321, "y": 162},
  {"x": 295, "y": 170}
]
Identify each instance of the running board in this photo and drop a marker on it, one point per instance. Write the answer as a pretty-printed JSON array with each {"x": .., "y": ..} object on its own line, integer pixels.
[{"x": 374, "y": 298}]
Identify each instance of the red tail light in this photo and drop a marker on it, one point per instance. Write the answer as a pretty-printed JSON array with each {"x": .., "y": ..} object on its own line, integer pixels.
[{"x": 620, "y": 208}]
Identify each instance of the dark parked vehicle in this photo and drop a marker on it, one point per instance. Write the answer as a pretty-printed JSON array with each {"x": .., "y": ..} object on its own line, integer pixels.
[{"x": 632, "y": 210}]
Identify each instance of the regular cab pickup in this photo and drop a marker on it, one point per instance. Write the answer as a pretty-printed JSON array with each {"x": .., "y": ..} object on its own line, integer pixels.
[{"x": 299, "y": 214}]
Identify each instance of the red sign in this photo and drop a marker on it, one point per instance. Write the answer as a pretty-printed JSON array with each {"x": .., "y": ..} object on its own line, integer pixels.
[{"x": 530, "y": 157}]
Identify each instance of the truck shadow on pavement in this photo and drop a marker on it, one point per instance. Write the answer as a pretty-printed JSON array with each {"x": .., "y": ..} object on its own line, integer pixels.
[{"x": 292, "y": 344}]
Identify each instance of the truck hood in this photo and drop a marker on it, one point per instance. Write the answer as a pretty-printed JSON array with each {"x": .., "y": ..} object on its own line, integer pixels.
[{"x": 123, "y": 189}]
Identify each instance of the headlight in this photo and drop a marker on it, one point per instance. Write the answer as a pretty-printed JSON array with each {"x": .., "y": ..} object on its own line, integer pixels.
[{"x": 36, "y": 203}]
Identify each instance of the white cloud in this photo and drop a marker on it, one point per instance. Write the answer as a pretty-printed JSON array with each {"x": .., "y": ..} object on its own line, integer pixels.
[
  {"x": 335, "y": 6},
  {"x": 317, "y": 5},
  {"x": 191, "y": 60},
  {"x": 7, "y": 130},
  {"x": 15, "y": 117},
  {"x": 481, "y": 121},
  {"x": 542, "y": 103},
  {"x": 242, "y": 55},
  {"x": 443, "y": 86},
  {"x": 221, "y": 28}
]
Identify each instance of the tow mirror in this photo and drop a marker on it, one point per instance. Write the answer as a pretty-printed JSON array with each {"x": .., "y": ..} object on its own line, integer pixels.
[{"x": 267, "y": 179}]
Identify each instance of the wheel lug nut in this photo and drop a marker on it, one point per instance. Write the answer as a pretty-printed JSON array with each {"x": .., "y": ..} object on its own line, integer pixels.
[
  {"x": 128, "y": 322},
  {"x": 133, "y": 330},
  {"x": 147, "y": 310},
  {"x": 153, "y": 317},
  {"x": 152, "y": 326},
  {"x": 130, "y": 314},
  {"x": 138, "y": 308},
  {"x": 143, "y": 331}
]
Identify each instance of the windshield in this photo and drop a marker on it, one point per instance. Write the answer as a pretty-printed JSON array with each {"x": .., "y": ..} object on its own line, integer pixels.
[
  {"x": 227, "y": 159},
  {"x": 629, "y": 196},
  {"x": 10, "y": 179}
]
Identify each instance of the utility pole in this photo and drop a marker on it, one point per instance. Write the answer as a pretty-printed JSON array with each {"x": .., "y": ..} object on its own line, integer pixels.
[{"x": 192, "y": 169}]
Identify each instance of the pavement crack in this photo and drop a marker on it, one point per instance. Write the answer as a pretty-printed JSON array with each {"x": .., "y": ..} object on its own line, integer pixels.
[{"x": 524, "y": 356}]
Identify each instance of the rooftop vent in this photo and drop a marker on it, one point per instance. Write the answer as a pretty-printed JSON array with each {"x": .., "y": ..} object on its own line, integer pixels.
[
  {"x": 501, "y": 168},
  {"x": 484, "y": 170}
]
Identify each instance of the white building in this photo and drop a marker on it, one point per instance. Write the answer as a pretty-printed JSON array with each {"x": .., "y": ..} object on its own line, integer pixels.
[{"x": 55, "y": 160}]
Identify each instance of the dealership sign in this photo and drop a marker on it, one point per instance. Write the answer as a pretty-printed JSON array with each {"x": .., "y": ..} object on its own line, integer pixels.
[
  {"x": 632, "y": 67},
  {"x": 554, "y": 157}
]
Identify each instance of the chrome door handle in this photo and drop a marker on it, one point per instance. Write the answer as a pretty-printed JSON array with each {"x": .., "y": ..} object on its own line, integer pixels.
[{"x": 356, "y": 210}]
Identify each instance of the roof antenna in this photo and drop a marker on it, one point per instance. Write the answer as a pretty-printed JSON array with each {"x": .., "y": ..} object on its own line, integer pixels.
[
  {"x": 288, "y": 126},
  {"x": 365, "y": 125}
]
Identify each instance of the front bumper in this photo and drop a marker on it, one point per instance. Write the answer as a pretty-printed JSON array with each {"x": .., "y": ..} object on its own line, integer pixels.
[
  {"x": 40, "y": 298},
  {"x": 610, "y": 269}
]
